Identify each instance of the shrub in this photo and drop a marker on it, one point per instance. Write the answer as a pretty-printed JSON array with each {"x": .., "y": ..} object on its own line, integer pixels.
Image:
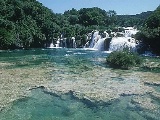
[{"x": 123, "y": 59}]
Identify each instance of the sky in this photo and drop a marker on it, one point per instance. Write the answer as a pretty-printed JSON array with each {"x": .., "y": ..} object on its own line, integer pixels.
[{"x": 122, "y": 7}]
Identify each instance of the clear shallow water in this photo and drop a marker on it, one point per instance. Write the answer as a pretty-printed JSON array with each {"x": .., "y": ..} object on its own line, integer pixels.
[
  {"x": 42, "y": 105},
  {"x": 57, "y": 56}
]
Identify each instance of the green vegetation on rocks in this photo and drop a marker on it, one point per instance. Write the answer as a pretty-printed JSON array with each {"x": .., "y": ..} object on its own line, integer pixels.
[{"x": 123, "y": 59}]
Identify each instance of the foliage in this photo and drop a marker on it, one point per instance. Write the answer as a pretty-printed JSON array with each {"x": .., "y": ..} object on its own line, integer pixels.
[
  {"x": 150, "y": 32},
  {"x": 123, "y": 59},
  {"x": 92, "y": 16},
  {"x": 132, "y": 20},
  {"x": 27, "y": 23},
  {"x": 6, "y": 38}
]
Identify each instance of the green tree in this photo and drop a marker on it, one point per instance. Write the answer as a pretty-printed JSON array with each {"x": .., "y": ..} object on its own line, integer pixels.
[
  {"x": 112, "y": 17},
  {"x": 150, "y": 33},
  {"x": 92, "y": 16}
]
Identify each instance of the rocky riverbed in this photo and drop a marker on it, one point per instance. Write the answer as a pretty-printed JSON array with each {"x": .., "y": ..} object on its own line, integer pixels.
[{"x": 97, "y": 85}]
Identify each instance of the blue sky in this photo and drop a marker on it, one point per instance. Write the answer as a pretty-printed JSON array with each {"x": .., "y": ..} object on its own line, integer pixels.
[{"x": 123, "y": 7}]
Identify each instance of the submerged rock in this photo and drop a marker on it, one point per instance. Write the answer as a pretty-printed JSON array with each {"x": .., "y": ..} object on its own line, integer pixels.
[
  {"x": 156, "y": 95},
  {"x": 95, "y": 85},
  {"x": 144, "y": 103},
  {"x": 151, "y": 65},
  {"x": 101, "y": 86}
]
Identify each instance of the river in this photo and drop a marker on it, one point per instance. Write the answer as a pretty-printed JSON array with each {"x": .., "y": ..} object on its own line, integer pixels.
[{"x": 73, "y": 84}]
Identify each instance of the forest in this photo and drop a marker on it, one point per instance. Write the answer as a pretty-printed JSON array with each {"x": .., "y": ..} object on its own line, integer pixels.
[{"x": 29, "y": 24}]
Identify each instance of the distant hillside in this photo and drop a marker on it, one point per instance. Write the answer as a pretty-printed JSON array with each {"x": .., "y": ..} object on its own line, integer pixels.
[
  {"x": 133, "y": 20},
  {"x": 142, "y": 15}
]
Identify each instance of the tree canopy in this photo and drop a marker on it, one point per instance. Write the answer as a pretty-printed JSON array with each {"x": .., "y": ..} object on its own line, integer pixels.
[
  {"x": 27, "y": 23},
  {"x": 150, "y": 32}
]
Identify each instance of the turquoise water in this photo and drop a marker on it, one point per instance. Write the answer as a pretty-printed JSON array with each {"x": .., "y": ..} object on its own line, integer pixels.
[
  {"x": 66, "y": 57},
  {"x": 43, "y": 105}
]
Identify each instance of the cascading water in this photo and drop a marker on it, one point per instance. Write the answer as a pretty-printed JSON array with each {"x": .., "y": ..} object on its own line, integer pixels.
[
  {"x": 102, "y": 42},
  {"x": 64, "y": 43},
  {"x": 99, "y": 45},
  {"x": 119, "y": 43},
  {"x": 95, "y": 38},
  {"x": 97, "y": 42},
  {"x": 58, "y": 43},
  {"x": 74, "y": 42},
  {"x": 51, "y": 45}
]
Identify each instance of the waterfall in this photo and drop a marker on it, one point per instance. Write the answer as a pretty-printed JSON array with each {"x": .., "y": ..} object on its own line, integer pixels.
[
  {"x": 58, "y": 43},
  {"x": 97, "y": 41},
  {"x": 95, "y": 38},
  {"x": 51, "y": 45},
  {"x": 100, "y": 44},
  {"x": 102, "y": 41},
  {"x": 73, "y": 42},
  {"x": 119, "y": 43}
]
